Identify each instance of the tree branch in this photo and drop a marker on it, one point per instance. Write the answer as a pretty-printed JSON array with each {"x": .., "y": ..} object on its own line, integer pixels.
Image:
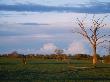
[
  {"x": 101, "y": 42},
  {"x": 100, "y": 37}
]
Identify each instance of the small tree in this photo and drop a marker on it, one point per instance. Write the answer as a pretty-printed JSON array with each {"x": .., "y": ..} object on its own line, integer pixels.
[
  {"x": 59, "y": 54},
  {"x": 92, "y": 35},
  {"x": 58, "y": 51}
]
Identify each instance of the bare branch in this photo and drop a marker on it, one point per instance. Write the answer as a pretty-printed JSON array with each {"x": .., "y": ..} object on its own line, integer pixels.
[
  {"x": 101, "y": 42},
  {"x": 101, "y": 22},
  {"x": 103, "y": 19},
  {"x": 91, "y": 30},
  {"x": 104, "y": 47},
  {"x": 102, "y": 26},
  {"x": 93, "y": 17},
  {"x": 80, "y": 33},
  {"x": 100, "y": 37},
  {"x": 84, "y": 18},
  {"x": 97, "y": 34},
  {"x": 84, "y": 32}
]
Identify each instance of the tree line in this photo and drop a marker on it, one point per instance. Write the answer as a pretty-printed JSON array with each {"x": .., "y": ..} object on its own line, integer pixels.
[{"x": 57, "y": 56}]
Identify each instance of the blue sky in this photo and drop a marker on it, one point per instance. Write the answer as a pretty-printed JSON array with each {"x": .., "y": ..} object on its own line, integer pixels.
[{"x": 40, "y": 26}]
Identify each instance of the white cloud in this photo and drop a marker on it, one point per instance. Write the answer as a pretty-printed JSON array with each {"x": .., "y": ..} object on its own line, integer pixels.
[
  {"x": 75, "y": 48},
  {"x": 48, "y": 48},
  {"x": 42, "y": 36},
  {"x": 52, "y": 18}
]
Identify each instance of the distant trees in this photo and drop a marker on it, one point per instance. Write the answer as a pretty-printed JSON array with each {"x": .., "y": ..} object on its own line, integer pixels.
[
  {"x": 82, "y": 56},
  {"x": 107, "y": 59},
  {"x": 92, "y": 34},
  {"x": 60, "y": 56},
  {"x": 13, "y": 54}
]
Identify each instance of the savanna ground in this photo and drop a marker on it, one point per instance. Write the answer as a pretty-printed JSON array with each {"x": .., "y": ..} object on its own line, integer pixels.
[{"x": 49, "y": 70}]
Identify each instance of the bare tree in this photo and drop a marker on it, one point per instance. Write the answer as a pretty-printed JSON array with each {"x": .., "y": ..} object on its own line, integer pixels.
[{"x": 92, "y": 34}]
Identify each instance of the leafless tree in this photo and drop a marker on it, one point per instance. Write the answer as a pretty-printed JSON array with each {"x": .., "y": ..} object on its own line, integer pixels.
[{"x": 92, "y": 34}]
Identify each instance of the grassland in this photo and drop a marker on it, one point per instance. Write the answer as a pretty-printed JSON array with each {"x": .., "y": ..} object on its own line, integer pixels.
[{"x": 37, "y": 70}]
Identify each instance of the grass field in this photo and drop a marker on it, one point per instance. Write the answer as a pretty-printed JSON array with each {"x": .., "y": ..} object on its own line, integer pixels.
[{"x": 36, "y": 70}]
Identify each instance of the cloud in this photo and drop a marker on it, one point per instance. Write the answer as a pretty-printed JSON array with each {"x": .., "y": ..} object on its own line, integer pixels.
[
  {"x": 33, "y": 24},
  {"x": 43, "y": 36},
  {"x": 48, "y": 48},
  {"x": 99, "y": 7},
  {"x": 75, "y": 48}
]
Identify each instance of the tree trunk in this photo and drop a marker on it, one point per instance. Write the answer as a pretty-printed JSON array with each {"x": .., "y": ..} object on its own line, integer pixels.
[{"x": 94, "y": 55}]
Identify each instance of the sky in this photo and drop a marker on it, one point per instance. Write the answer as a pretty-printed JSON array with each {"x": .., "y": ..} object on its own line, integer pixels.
[{"x": 41, "y": 26}]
